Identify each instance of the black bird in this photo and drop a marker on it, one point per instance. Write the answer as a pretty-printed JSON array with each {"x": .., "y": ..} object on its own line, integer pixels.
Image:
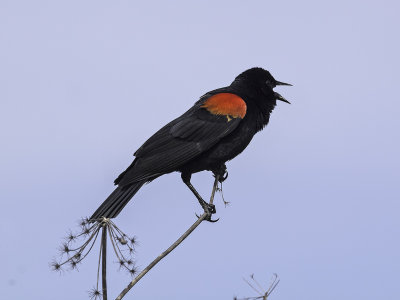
[{"x": 214, "y": 130}]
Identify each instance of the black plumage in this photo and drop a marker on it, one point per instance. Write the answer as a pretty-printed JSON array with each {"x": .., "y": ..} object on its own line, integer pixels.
[{"x": 217, "y": 128}]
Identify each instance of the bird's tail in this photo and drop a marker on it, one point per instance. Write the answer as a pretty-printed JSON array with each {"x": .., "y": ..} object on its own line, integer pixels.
[{"x": 117, "y": 200}]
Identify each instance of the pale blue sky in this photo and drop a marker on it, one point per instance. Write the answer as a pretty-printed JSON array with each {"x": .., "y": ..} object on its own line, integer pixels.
[{"x": 314, "y": 198}]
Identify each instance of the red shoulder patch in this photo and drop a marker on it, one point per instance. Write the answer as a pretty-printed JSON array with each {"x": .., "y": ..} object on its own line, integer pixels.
[{"x": 226, "y": 104}]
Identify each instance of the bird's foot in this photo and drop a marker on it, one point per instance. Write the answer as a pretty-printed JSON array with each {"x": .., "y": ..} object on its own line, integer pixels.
[
  {"x": 208, "y": 218},
  {"x": 209, "y": 210},
  {"x": 222, "y": 172},
  {"x": 211, "y": 220},
  {"x": 224, "y": 177}
]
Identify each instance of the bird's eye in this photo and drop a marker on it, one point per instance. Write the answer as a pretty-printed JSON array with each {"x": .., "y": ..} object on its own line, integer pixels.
[{"x": 269, "y": 84}]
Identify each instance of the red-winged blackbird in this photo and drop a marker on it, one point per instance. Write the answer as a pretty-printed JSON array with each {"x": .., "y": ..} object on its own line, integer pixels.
[{"x": 216, "y": 129}]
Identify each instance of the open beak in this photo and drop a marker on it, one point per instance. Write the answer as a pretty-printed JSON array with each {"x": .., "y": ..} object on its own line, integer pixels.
[
  {"x": 280, "y": 97},
  {"x": 282, "y": 83}
]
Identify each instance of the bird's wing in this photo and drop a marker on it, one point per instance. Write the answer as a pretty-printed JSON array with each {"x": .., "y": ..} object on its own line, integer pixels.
[{"x": 210, "y": 119}]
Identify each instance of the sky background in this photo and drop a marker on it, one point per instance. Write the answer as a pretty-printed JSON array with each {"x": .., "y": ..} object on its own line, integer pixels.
[{"x": 314, "y": 198}]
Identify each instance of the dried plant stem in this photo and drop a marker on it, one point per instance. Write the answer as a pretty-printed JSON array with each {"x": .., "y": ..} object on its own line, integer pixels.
[
  {"x": 104, "y": 261},
  {"x": 172, "y": 247}
]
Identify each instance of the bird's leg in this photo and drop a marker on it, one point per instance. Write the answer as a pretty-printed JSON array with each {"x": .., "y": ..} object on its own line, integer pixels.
[
  {"x": 209, "y": 209},
  {"x": 220, "y": 175}
]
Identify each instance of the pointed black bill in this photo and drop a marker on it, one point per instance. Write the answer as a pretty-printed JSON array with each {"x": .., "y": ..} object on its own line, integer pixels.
[
  {"x": 280, "y": 97},
  {"x": 282, "y": 83}
]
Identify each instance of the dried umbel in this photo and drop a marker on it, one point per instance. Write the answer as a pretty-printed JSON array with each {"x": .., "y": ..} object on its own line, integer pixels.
[
  {"x": 77, "y": 246},
  {"x": 264, "y": 295}
]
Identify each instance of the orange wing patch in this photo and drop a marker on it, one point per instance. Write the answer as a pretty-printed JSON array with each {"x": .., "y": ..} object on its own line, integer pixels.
[{"x": 227, "y": 104}]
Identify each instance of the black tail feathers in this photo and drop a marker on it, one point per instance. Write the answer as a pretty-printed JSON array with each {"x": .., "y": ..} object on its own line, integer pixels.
[{"x": 117, "y": 200}]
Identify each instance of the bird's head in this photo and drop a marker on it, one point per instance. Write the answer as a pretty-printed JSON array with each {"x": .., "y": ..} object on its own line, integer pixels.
[{"x": 262, "y": 81}]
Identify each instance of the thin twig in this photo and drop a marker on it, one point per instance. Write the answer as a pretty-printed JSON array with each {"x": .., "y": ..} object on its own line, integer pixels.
[
  {"x": 262, "y": 295},
  {"x": 104, "y": 261},
  {"x": 172, "y": 247},
  {"x": 258, "y": 291},
  {"x": 256, "y": 282}
]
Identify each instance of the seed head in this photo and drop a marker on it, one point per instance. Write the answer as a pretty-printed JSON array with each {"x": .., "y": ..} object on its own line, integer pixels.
[
  {"x": 133, "y": 271},
  {"x": 56, "y": 266},
  {"x": 94, "y": 294},
  {"x": 122, "y": 241}
]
